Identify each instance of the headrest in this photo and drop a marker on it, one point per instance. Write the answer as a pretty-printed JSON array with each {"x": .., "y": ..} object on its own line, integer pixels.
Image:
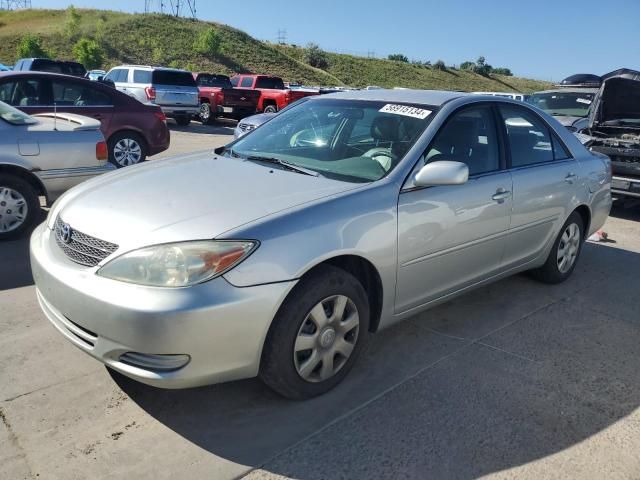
[{"x": 385, "y": 129}]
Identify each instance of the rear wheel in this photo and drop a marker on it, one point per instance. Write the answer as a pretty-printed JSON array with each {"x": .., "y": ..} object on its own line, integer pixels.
[
  {"x": 317, "y": 334},
  {"x": 127, "y": 148},
  {"x": 271, "y": 108},
  {"x": 565, "y": 252},
  {"x": 206, "y": 116},
  {"x": 183, "y": 120},
  {"x": 19, "y": 206}
]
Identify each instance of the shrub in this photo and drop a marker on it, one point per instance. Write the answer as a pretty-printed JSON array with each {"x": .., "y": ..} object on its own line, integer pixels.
[
  {"x": 315, "y": 56},
  {"x": 439, "y": 65},
  {"x": 467, "y": 65},
  {"x": 88, "y": 53},
  {"x": 502, "y": 71},
  {"x": 398, "y": 57},
  {"x": 208, "y": 42},
  {"x": 72, "y": 24},
  {"x": 31, "y": 46},
  {"x": 481, "y": 67}
]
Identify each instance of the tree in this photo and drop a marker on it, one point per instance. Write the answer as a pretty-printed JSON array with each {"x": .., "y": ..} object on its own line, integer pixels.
[
  {"x": 208, "y": 42},
  {"x": 88, "y": 53},
  {"x": 398, "y": 57},
  {"x": 467, "y": 65},
  {"x": 482, "y": 67},
  {"x": 72, "y": 24},
  {"x": 31, "y": 46},
  {"x": 502, "y": 71},
  {"x": 315, "y": 56},
  {"x": 439, "y": 65}
]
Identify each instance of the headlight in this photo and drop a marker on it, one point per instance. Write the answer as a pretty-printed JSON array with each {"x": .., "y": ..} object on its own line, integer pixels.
[{"x": 177, "y": 264}]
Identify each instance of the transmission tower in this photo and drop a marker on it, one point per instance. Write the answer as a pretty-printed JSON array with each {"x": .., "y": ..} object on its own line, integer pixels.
[
  {"x": 177, "y": 8},
  {"x": 282, "y": 37},
  {"x": 14, "y": 4}
]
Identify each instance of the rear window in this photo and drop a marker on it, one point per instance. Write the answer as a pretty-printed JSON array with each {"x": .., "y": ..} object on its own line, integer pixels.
[
  {"x": 75, "y": 69},
  {"x": 141, "y": 76},
  {"x": 221, "y": 81},
  {"x": 270, "y": 82},
  {"x": 171, "y": 77}
]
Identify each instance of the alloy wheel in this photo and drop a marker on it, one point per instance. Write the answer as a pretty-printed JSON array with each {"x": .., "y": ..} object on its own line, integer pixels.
[
  {"x": 13, "y": 209},
  {"x": 205, "y": 112},
  {"x": 127, "y": 152},
  {"x": 326, "y": 339},
  {"x": 568, "y": 248}
]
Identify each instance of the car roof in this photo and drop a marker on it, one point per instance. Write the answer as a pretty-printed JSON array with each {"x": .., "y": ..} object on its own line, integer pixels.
[
  {"x": 23, "y": 73},
  {"x": 570, "y": 89},
  {"x": 150, "y": 67},
  {"x": 426, "y": 97}
]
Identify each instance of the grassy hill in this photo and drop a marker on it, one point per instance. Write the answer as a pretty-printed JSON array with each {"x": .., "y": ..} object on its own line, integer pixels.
[{"x": 162, "y": 39}]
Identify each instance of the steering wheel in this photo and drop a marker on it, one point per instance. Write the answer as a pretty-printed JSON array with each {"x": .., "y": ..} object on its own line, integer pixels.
[{"x": 383, "y": 156}]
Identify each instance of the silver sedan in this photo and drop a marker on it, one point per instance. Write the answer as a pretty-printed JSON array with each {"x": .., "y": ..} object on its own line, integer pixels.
[
  {"x": 280, "y": 254},
  {"x": 43, "y": 155}
]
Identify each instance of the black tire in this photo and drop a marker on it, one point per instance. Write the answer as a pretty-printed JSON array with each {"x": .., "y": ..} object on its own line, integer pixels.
[
  {"x": 134, "y": 141},
  {"x": 206, "y": 115},
  {"x": 550, "y": 272},
  {"x": 30, "y": 209},
  {"x": 278, "y": 369},
  {"x": 183, "y": 120},
  {"x": 270, "y": 108}
]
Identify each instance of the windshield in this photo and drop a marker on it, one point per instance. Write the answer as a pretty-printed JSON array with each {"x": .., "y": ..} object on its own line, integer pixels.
[
  {"x": 15, "y": 116},
  {"x": 355, "y": 141},
  {"x": 571, "y": 104}
]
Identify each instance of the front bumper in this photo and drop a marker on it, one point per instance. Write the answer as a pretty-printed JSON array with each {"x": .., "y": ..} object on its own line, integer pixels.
[
  {"x": 625, "y": 186},
  {"x": 220, "y": 327}
]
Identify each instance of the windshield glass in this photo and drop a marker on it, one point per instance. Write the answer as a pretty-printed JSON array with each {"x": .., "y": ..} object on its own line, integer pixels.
[
  {"x": 571, "y": 104},
  {"x": 355, "y": 141},
  {"x": 15, "y": 116}
]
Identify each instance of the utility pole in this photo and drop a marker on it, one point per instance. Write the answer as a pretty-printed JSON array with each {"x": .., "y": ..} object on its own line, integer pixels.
[{"x": 282, "y": 37}]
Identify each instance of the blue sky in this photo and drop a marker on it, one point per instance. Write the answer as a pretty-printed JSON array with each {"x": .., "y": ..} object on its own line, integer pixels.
[{"x": 543, "y": 39}]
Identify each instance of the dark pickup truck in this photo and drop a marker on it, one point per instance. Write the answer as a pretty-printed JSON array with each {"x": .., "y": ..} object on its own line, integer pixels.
[{"x": 218, "y": 98}]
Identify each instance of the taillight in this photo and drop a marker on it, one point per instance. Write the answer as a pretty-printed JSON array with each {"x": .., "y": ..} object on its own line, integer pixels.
[
  {"x": 102, "y": 152},
  {"x": 151, "y": 93},
  {"x": 160, "y": 116},
  {"x": 287, "y": 96}
]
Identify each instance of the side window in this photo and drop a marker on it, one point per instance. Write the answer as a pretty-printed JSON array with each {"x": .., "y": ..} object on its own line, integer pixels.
[
  {"x": 559, "y": 150},
  {"x": 247, "y": 82},
  {"x": 528, "y": 137},
  {"x": 118, "y": 75},
  {"x": 22, "y": 93},
  {"x": 469, "y": 136},
  {"x": 78, "y": 95},
  {"x": 141, "y": 76},
  {"x": 234, "y": 81}
]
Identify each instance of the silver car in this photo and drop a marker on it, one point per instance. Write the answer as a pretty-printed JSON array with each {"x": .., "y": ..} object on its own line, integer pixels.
[
  {"x": 43, "y": 155},
  {"x": 280, "y": 254},
  {"x": 173, "y": 90},
  {"x": 248, "y": 124}
]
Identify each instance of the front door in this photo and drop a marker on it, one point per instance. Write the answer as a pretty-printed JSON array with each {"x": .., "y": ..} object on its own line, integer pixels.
[{"x": 450, "y": 237}]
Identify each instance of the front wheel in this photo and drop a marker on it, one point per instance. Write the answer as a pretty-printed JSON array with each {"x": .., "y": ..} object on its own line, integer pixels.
[
  {"x": 126, "y": 148},
  {"x": 19, "y": 206},
  {"x": 270, "y": 109},
  {"x": 317, "y": 334},
  {"x": 564, "y": 254}
]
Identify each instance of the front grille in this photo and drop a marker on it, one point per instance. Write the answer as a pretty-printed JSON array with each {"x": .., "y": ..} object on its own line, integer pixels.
[
  {"x": 246, "y": 127},
  {"x": 82, "y": 248}
]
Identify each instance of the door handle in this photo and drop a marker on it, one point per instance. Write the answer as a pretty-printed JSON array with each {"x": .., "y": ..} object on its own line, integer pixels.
[
  {"x": 501, "y": 195},
  {"x": 570, "y": 178}
]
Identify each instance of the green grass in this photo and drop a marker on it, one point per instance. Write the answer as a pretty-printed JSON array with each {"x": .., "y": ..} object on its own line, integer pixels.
[{"x": 162, "y": 39}]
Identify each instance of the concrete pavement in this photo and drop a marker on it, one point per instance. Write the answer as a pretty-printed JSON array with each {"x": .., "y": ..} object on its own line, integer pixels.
[{"x": 517, "y": 379}]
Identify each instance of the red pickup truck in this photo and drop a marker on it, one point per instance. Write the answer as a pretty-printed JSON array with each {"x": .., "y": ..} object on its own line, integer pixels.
[
  {"x": 274, "y": 95},
  {"x": 218, "y": 98}
]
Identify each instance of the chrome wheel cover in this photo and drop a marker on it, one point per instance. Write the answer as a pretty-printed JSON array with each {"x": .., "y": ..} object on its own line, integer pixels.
[
  {"x": 326, "y": 339},
  {"x": 568, "y": 248},
  {"x": 127, "y": 152},
  {"x": 13, "y": 209},
  {"x": 205, "y": 111}
]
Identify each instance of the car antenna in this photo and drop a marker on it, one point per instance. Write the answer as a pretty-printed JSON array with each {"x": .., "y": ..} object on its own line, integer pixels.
[{"x": 55, "y": 117}]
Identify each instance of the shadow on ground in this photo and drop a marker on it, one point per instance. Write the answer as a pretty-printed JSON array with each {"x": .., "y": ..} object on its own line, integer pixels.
[
  {"x": 497, "y": 378},
  {"x": 15, "y": 268},
  {"x": 221, "y": 126}
]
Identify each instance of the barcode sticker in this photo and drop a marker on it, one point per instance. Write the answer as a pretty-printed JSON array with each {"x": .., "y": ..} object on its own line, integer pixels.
[{"x": 406, "y": 111}]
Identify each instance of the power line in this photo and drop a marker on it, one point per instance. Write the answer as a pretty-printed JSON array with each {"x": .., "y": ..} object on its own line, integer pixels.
[
  {"x": 176, "y": 8},
  {"x": 14, "y": 4},
  {"x": 282, "y": 37}
]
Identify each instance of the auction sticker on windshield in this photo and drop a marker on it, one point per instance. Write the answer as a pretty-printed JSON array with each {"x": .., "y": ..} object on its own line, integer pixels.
[{"x": 406, "y": 111}]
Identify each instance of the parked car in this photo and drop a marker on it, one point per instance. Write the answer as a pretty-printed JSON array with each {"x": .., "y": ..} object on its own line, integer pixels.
[
  {"x": 219, "y": 98},
  {"x": 173, "y": 90},
  {"x": 43, "y": 155},
  {"x": 273, "y": 94},
  {"x": 280, "y": 255},
  {"x": 95, "y": 75},
  {"x": 569, "y": 105},
  {"x": 514, "y": 96},
  {"x": 53, "y": 66},
  {"x": 5, "y": 68},
  {"x": 248, "y": 124},
  {"x": 613, "y": 129},
  {"x": 133, "y": 131}
]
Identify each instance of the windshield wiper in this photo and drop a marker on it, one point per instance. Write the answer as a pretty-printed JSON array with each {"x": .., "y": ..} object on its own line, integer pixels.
[{"x": 284, "y": 164}]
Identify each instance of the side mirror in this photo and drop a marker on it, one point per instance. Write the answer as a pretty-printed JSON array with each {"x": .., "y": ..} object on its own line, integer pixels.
[{"x": 443, "y": 172}]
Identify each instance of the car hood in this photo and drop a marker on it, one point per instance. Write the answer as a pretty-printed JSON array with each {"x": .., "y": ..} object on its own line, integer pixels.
[
  {"x": 567, "y": 121},
  {"x": 618, "y": 98},
  {"x": 199, "y": 196}
]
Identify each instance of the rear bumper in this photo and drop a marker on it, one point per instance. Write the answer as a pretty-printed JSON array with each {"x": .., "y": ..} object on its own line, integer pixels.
[
  {"x": 177, "y": 110},
  {"x": 625, "y": 186},
  {"x": 218, "y": 328}
]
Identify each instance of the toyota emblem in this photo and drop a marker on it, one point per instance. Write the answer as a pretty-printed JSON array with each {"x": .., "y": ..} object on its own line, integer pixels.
[
  {"x": 243, "y": 98},
  {"x": 65, "y": 233}
]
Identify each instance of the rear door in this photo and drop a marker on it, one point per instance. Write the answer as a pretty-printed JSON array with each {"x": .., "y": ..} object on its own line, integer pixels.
[
  {"x": 545, "y": 179},
  {"x": 175, "y": 88},
  {"x": 81, "y": 98},
  {"x": 119, "y": 76},
  {"x": 139, "y": 81}
]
